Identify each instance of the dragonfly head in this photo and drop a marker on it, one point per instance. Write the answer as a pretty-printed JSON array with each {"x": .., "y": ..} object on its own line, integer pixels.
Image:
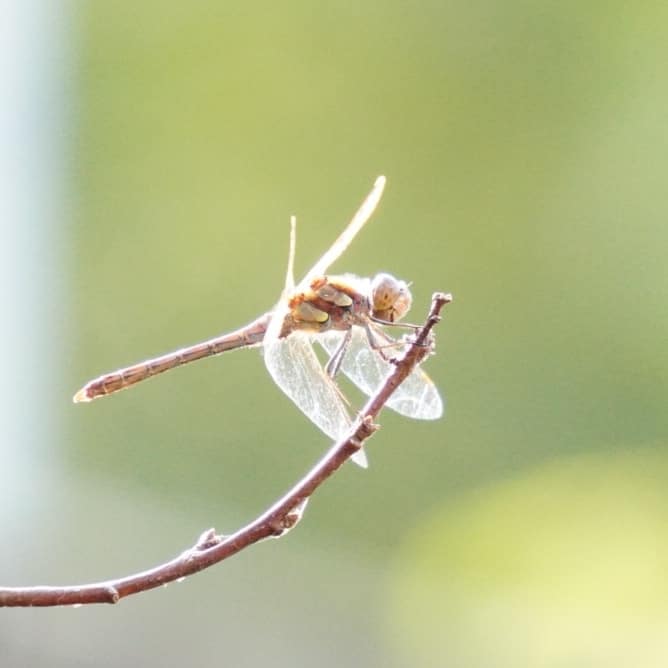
[{"x": 390, "y": 298}]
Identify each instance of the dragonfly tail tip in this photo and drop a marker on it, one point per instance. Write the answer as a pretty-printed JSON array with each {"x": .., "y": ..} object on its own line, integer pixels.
[{"x": 81, "y": 396}]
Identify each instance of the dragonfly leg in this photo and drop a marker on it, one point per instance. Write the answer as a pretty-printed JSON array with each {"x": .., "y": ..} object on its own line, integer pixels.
[
  {"x": 392, "y": 323},
  {"x": 380, "y": 348},
  {"x": 334, "y": 364}
]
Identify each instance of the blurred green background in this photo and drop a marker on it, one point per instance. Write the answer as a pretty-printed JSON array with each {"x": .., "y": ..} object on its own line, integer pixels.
[{"x": 526, "y": 150}]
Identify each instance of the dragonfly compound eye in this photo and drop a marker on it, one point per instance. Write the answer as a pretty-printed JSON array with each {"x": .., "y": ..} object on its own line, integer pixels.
[{"x": 391, "y": 299}]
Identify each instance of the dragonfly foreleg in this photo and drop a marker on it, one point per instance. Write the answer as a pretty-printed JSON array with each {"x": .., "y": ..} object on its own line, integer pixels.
[
  {"x": 392, "y": 323},
  {"x": 379, "y": 345}
]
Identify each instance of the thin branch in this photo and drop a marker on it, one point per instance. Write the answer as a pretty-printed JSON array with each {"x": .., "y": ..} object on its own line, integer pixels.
[{"x": 211, "y": 547}]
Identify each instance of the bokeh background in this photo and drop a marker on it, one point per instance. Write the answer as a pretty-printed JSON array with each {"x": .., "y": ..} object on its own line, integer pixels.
[{"x": 151, "y": 156}]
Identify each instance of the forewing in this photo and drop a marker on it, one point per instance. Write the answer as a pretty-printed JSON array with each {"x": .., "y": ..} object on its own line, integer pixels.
[
  {"x": 417, "y": 397},
  {"x": 354, "y": 226}
]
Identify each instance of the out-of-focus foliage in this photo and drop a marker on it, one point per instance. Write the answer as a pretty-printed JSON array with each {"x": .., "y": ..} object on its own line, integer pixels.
[
  {"x": 565, "y": 563},
  {"x": 526, "y": 148}
]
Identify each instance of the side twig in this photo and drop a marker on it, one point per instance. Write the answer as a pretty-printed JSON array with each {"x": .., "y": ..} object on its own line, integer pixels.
[{"x": 211, "y": 547}]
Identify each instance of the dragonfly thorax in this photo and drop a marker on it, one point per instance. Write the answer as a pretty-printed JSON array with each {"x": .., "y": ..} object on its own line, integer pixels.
[{"x": 331, "y": 302}]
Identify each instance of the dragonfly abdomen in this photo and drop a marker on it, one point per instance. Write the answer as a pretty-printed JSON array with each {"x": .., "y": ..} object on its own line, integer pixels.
[{"x": 250, "y": 335}]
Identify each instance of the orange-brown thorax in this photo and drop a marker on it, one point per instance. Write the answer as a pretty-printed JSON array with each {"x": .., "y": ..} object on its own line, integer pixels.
[{"x": 329, "y": 303}]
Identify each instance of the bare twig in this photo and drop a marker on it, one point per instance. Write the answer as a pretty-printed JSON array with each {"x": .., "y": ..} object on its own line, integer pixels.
[{"x": 211, "y": 547}]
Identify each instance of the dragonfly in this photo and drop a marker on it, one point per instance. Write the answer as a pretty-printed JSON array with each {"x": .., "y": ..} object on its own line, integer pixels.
[{"x": 345, "y": 314}]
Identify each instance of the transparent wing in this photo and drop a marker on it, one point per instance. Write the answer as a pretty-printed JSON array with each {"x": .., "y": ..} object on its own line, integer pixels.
[
  {"x": 292, "y": 363},
  {"x": 295, "y": 368},
  {"x": 354, "y": 226},
  {"x": 417, "y": 397}
]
